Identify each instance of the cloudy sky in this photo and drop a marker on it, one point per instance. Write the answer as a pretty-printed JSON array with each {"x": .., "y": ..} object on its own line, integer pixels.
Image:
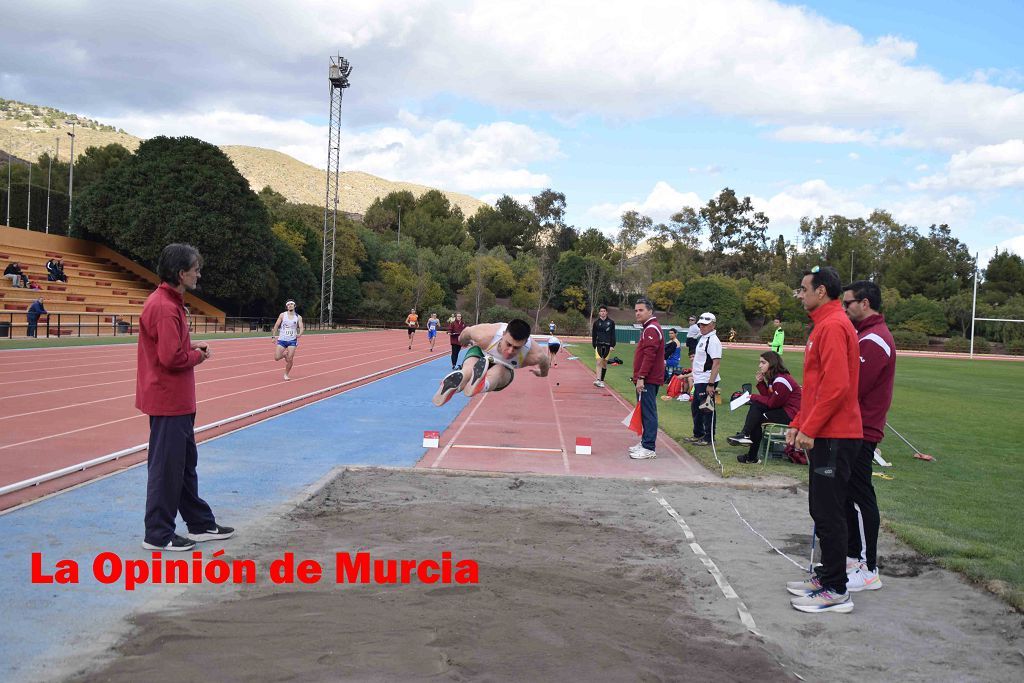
[{"x": 819, "y": 108}]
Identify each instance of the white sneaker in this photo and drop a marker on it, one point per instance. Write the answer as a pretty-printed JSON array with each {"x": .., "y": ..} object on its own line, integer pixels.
[
  {"x": 286, "y": 376},
  {"x": 823, "y": 600},
  {"x": 804, "y": 587},
  {"x": 598, "y": 383},
  {"x": 642, "y": 454},
  {"x": 635, "y": 447},
  {"x": 860, "y": 579}
]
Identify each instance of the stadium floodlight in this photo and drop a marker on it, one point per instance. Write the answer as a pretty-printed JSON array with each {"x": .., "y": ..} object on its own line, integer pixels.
[{"x": 337, "y": 76}]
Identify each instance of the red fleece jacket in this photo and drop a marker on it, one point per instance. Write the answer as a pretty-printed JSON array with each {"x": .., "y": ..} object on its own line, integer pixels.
[
  {"x": 649, "y": 357},
  {"x": 166, "y": 383},
  {"x": 877, "y": 374},
  {"x": 829, "y": 407},
  {"x": 783, "y": 393}
]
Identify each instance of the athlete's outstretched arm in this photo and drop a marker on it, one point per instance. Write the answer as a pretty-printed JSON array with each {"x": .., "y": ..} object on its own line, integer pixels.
[{"x": 277, "y": 324}]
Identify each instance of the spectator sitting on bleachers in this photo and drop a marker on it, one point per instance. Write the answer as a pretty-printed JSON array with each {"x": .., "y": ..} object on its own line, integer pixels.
[
  {"x": 18, "y": 278},
  {"x": 55, "y": 271}
]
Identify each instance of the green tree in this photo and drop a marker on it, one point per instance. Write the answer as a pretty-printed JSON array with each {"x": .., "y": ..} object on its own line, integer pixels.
[
  {"x": 508, "y": 223},
  {"x": 1004, "y": 277},
  {"x": 185, "y": 190},
  {"x": 716, "y": 294},
  {"x": 592, "y": 242},
  {"x": 738, "y": 234},
  {"x": 575, "y": 298},
  {"x": 665, "y": 293},
  {"x": 761, "y": 302}
]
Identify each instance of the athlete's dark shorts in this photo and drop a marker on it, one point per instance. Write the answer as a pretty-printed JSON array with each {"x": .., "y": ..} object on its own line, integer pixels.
[
  {"x": 603, "y": 350},
  {"x": 411, "y": 330}
]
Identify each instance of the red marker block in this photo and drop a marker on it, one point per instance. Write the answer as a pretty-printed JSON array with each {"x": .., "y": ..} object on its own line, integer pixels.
[
  {"x": 431, "y": 439},
  {"x": 583, "y": 445}
]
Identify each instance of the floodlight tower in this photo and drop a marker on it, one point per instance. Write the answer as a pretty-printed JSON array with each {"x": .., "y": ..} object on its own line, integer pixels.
[{"x": 337, "y": 75}]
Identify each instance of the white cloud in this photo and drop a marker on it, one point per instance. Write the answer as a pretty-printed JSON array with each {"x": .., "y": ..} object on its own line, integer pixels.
[
  {"x": 811, "y": 198},
  {"x": 779, "y": 65},
  {"x": 854, "y": 156},
  {"x": 922, "y": 210},
  {"x": 442, "y": 153},
  {"x": 987, "y": 167},
  {"x": 660, "y": 204}
]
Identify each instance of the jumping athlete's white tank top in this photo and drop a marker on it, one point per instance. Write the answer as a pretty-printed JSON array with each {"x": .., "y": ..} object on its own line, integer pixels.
[
  {"x": 513, "y": 362},
  {"x": 289, "y": 328}
]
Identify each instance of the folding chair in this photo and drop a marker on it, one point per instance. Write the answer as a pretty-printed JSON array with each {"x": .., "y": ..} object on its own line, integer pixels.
[{"x": 772, "y": 433}]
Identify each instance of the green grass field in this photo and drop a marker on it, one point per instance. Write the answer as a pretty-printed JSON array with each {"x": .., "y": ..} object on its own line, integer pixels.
[{"x": 964, "y": 510}]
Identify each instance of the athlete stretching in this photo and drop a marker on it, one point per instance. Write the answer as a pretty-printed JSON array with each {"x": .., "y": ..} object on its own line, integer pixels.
[{"x": 496, "y": 350}]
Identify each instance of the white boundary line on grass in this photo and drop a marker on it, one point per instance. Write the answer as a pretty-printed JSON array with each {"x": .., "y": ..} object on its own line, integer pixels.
[{"x": 723, "y": 584}]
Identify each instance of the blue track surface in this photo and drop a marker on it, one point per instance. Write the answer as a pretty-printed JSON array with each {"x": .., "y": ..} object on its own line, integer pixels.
[{"x": 244, "y": 476}]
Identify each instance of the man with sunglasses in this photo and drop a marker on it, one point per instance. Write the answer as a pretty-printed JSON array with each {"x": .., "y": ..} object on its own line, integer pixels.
[
  {"x": 828, "y": 427},
  {"x": 862, "y": 300}
]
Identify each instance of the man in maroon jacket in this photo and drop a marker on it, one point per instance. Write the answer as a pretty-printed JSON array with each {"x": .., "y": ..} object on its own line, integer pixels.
[
  {"x": 862, "y": 300},
  {"x": 165, "y": 389},
  {"x": 648, "y": 375},
  {"x": 828, "y": 427}
]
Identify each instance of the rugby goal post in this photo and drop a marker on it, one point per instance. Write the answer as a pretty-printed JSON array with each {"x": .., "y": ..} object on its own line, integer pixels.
[{"x": 974, "y": 308}]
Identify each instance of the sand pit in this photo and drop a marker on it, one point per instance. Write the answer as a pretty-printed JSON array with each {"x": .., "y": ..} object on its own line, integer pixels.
[{"x": 580, "y": 579}]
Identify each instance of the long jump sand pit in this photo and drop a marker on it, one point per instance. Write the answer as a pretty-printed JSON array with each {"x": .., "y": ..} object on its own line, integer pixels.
[{"x": 582, "y": 579}]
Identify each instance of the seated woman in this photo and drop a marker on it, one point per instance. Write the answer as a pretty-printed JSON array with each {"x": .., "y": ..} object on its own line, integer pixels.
[
  {"x": 672, "y": 355},
  {"x": 777, "y": 400}
]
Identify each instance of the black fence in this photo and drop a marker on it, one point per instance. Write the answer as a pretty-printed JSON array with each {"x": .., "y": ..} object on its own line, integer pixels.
[{"x": 59, "y": 325}]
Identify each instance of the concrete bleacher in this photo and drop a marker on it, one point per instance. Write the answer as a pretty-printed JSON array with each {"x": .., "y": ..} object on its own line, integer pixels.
[{"x": 103, "y": 286}]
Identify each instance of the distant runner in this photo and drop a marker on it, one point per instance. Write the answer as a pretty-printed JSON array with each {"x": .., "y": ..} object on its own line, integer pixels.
[
  {"x": 497, "y": 350},
  {"x": 291, "y": 328},
  {"x": 412, "y": 321},
  {"x": 432, "y": 325}
]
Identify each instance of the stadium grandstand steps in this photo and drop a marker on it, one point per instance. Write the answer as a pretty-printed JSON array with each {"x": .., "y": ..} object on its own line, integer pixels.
[{"x": 102, "y": 288}]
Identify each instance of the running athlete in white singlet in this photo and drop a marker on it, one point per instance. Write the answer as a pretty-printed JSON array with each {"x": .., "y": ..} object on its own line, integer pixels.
[{"x": 287, "y": 340}]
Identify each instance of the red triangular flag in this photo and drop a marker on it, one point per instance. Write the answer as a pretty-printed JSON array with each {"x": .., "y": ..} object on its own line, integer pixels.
[{"x": 634, "y": 420}]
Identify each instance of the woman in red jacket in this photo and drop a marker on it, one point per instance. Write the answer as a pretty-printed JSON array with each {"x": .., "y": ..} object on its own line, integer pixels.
[
  {"x": 777, "y": 400},
  {"x": 455, "y": 328}
]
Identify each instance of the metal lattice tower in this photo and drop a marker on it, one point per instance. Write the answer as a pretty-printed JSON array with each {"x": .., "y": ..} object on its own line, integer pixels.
[{"x": 338, "y": 77}]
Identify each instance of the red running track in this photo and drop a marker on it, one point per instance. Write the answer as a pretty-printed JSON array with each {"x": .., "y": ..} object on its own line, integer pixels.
[
  {"x": 532, "y": 425},
  {"x": 64, "y": 406}
]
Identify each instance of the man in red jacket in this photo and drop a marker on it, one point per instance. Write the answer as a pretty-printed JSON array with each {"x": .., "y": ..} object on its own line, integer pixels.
[
  {"x": 165, "y": 389},
  {"x": 862, "y": 300},
  {"x": 648, "y": 375},
  {"x": 828, "y": 427}
]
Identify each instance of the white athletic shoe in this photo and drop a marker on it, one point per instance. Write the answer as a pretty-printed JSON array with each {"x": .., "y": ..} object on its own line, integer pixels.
[
  {"x": 642, "y": 454},
  {"x": 860, "y": 579},
  {"x": 598, "y": 383},
  {"x": 804, "y": 587},
  {"x": 286, "y": 376},
  {"x": 823, "y": 600}
]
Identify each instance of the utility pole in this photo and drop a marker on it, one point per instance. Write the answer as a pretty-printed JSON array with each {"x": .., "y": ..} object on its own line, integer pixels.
[
  {"x": 49, "y": 174},
  {"x": 28, "y": 209},
  {"x": 71, "y": 175},
  {"x": 399, "y": 225},
  {"x": 10, "y": 162}
]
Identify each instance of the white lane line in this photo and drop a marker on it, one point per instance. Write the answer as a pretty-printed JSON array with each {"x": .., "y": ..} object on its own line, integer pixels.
[
  {"x": 709, "y": 564},
  {"x": 558, "y": 425},
  {"x": 508, "y": 448},
  {"x": 205, "y": 400},
  {"x": 380, "y": 374},
  {"x": 469, "y": 418}
]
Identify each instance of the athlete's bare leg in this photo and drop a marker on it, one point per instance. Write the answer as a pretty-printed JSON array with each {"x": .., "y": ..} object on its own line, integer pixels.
[
  {"x": 289, "y": 359},
  {"x": 278, "y": 352}
]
